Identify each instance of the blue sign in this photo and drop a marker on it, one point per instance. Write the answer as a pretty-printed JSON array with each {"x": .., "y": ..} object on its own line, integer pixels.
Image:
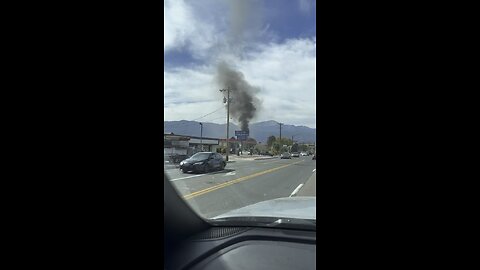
[
  {"x": 242, "y": 137},
  {"x": 241, "y": 133}
]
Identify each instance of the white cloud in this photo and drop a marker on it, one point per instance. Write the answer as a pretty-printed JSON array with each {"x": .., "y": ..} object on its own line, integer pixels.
[
  {"x": 184, "y": 29},
  {"x": 176, "y": 16},
  {"x": 188, "y": 85},
  {"x": 285, "y": 73}
]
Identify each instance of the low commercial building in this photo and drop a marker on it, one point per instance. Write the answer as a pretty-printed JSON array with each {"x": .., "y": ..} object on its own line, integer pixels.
[
  {"x": 176, "y": 144},
  {"x": 204, "y": 144}
]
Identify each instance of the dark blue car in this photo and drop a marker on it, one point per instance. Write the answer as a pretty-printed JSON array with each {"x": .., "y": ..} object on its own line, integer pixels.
[{"x": 203, "y": 162}]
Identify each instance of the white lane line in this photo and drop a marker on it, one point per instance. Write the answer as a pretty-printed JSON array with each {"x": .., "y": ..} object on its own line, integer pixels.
[
  {"x": 296, "y": 190},
  {"x": 314, "y": 170},
  {"x": 197, "y": 175},
  {"x": 230, "y": 173}
]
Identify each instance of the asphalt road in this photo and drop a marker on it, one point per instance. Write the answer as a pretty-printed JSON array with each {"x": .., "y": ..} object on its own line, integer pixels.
[{"x": 245, "y": 182}]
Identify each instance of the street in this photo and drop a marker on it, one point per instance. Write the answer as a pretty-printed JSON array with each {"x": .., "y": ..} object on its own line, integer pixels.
[{"x": 245, "y": 182}]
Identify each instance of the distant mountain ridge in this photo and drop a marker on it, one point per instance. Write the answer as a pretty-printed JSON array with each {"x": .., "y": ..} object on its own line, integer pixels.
[{"x": 259, "y": 131}]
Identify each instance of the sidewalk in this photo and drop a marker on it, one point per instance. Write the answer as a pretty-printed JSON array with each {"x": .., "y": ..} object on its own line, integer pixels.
[{"x": 232, "y": 158}]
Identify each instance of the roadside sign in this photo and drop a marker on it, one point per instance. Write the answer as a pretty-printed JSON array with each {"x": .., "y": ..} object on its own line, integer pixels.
[{"x": 241, "y": 135}]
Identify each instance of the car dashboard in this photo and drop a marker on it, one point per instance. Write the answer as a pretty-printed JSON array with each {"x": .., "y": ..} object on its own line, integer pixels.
[{"x": 245, "y": 248}]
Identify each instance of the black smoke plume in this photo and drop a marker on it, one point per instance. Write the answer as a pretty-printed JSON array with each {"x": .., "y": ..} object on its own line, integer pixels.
[
  {"x": 243, "y": 105},
  {"x": 244, "y": 22}
]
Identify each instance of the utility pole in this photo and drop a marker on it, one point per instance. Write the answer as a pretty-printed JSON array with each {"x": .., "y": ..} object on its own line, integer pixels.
[
  {"x": 280, "y": 130},
  {"x": 228, "y": 118},
  {"x": 294, "y": 136},
  {"x": 201, "y": 136}
]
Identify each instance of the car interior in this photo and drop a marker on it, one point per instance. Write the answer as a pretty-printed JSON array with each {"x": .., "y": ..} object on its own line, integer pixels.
[{"x": 192, "y": 242}]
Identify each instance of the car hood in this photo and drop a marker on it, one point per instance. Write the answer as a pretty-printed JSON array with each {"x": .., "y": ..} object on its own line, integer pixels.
[{"x": 291, "y": 207}]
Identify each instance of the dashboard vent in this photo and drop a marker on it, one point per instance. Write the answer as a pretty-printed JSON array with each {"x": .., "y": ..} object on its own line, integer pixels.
[{"x": 219, "y": 232}]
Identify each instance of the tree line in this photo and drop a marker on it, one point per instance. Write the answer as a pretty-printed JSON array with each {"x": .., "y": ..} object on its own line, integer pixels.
[{"x": 277, "y": 146}]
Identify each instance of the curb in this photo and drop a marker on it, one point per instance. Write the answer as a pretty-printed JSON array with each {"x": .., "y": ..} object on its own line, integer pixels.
[{"x": 265, "y": 158}]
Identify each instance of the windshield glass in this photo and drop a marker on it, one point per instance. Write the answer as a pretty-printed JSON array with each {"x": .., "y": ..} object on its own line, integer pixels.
[
  {"x": 200, "y": 156},
  {"x": 240, "y": 83}
]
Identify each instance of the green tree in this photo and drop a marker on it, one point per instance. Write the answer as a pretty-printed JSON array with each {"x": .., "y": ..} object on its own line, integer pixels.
[
  {"x": 276, "y": 148},
  {"x": 304, "y": 148},
  {"x": 270, "y": 141},
  {"x": 295, "y": 147},
  {"x": 284, "y": 141}
]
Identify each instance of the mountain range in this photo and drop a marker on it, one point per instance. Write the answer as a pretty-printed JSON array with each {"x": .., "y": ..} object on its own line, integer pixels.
[{"x": 259, "y": 131}]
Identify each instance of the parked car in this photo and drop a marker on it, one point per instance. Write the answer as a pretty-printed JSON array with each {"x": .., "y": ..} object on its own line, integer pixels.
[
  {"x": 295, "y": 154},
  {"x": 285, "y": 155},
  {"x": 203, "y": 162},
  {"x": 304, "y": 154},
  {"x": 314, "y": 156}
]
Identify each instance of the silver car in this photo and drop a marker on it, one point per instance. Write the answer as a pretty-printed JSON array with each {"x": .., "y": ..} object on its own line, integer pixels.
[{"x": 286, "y": 155}]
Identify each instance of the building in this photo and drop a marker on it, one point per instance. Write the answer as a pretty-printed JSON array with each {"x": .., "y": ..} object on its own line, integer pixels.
[
  {"x": 208, "y": 144},
  {"x": 176, "y": 144}
]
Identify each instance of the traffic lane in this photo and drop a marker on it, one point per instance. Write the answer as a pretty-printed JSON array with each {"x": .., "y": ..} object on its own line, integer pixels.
[
  {"x": 195, "y": 182},
  {"x": 190, "y": 183},
  {"x": 172, "y": 166},
  {"x": 308, "y": 189},
  {"x": 276, "y": 184},
  {"x": 176, "y": 173}
]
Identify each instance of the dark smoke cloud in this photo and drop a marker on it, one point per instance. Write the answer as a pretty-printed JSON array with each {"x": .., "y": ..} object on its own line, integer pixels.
[
  {"x": 244, "y": 24},
  {"x": 244, "y": 21},
  {"x": 244, "y": 104}
]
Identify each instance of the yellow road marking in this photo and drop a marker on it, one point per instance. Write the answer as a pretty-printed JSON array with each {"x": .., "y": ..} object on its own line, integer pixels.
[{"x": 243, "y": 178}]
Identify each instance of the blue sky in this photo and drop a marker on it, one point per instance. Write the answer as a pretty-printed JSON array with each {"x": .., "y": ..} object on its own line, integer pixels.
[{"x": 277, "y": 55}]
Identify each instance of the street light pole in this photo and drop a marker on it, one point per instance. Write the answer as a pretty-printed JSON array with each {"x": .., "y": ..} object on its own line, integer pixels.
[
  {"x": 201, "y": 136},
  {"x": 228, "y": 119}
]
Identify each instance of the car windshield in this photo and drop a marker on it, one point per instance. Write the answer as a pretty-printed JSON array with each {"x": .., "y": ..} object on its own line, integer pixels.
[
  {"x": 240, "y": 84},
  {"x": 200, "y": 156}
]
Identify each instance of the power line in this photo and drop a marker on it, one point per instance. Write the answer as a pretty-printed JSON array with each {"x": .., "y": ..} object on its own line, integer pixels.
[
  {"x": 200, "y": 117},
  {"x": 208, "y": 113}
]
